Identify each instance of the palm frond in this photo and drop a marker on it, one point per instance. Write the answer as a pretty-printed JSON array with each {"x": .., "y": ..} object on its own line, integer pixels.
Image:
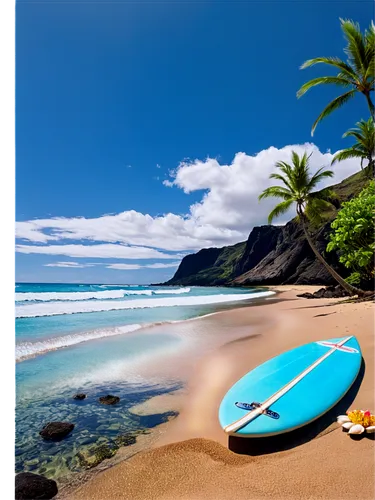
[
  {"x": 281, "y": 208},
  {"x": 364, "y": 147},
  {"x": 346, "y": 154},
  {"x": 281, "y": 192},
  {"x": 300, "y": 171},
  {"x": 284, "y": 179},
  {"x": 370, "y": 54},
  {"x": 364, "y": 133},
  {"x": 324, "y": 80},
  {"x": 284, "y": 167},
  {"x": 276, "y": 192},
  {"x": 356, "y": 134},
  {"x": 332, "y": 61},
  {"x": 355, "y": 50},
  {"x": 287, "y": 170},
  {"x": 318, "y": 176},
  {"x": 332, "y": 106},
  {"x": 315, "y": 208},
  {"x": 369, "y": 75},
  {"x": 296, "y": 160}
]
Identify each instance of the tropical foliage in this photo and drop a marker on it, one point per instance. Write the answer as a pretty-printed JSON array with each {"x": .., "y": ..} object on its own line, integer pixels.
[
  {"x": 364, "y": 146},
  {"x": 356, "y": 74},
  {"x": 298, "y": 188},
  {"x": 353, "y": 235},
  {"x": 299, "y": 185}
]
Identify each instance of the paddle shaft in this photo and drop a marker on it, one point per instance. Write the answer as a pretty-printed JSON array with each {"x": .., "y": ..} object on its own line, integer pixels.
[{"x": 251, "y": 415}]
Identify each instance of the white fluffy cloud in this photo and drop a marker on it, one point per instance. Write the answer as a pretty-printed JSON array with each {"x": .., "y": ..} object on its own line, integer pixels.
[
  {"x": 103, "y": 251},
  {"x": 124, "y": 267},
  {"x": 162, "y": 265},
  {"x": 169, "y": 232},
  {"x": 231, "y": 200},
  {"x": 227, "y": 212},
  {"x": 118, "y": 266},
  {"x": 68, "y": 264},
  {"x": 128, "y": 267}
]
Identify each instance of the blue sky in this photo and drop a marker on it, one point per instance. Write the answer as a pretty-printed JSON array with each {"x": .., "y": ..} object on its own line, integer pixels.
[{"x": 140, "y": 110}]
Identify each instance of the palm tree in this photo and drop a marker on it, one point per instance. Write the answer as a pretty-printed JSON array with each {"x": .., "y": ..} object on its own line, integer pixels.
[
  {"x": 363, "y": 148},
  {"x": 357, "y": 74},
  {"x": 298, "y": 189}
]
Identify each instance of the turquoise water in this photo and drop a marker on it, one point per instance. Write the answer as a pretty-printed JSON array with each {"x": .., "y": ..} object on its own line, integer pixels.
[{"x": 91, "y": 338}]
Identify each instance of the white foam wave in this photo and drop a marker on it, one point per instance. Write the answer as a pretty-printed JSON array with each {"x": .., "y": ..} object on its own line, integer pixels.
[
  {"x": 172, "y": 291},
  {"x": 57, "y": 308},
  {"x": 119, "y": 286},
  {"x": 26, "y": 350},
  {"x": 51, "y": 296},
  {"x": 76, "y": 296}
]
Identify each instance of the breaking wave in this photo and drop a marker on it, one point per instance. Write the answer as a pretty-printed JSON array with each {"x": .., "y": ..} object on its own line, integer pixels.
[
  {"x": 58, "y": 308},
  {"x": 26, "y": 350},
  {"x": 102, "y": 295}
]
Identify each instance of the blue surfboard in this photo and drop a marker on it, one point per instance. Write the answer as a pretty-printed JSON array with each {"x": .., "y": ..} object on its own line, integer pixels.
[{"x": 292, "y": 389}]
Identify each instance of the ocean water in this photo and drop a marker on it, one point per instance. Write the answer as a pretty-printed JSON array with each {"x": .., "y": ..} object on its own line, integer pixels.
[{"x": 95, "y": 339}]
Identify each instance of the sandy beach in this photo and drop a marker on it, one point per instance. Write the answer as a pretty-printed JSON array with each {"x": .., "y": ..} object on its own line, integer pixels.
[{"x": 194, "y": 459}]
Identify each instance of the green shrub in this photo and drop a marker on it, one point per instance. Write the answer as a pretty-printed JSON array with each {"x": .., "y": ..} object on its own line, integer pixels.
[{"x": 353, "y": 235}]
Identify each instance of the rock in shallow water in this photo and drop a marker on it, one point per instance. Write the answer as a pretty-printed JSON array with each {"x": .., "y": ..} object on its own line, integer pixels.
[
  {"x": 126, "y": 439},
  {"x": 92, "y": 456},
  {"x": 56, "y": 430},
  {"x": 109, "y": 400},
  {"x": 31, "y": 486},
  {"x": 34, "y": 461},
  {"x": 80, "y": 396}
]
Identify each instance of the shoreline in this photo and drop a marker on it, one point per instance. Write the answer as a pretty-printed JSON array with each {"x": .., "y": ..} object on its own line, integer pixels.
[
  {"x": 175, "y": 399},
  {"x": 190, "y": 436},
  {"x": 89, "y": 335}
]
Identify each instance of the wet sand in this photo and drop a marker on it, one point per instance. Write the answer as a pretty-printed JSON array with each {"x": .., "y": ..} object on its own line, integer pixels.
[{"x": 194, "y": 459}]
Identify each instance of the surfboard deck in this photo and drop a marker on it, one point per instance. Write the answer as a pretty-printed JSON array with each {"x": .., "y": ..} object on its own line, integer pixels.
[{"x": 311, "y": 396}]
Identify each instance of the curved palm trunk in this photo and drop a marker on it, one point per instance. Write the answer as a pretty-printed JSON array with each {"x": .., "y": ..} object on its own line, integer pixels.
[
  {"x": 369, "y": 169},
  {"x": 352, "y": 290},
  {"x": 370, "y": 104}
]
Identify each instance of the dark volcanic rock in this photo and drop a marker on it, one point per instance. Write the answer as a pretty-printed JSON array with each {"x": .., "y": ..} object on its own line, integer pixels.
[
  {"x": 109, "y": 400},
  {"x": 330, "y": 292},
  {"x": 320, "y": 294},
  {"x": 193, "y": 264},
  {"x": 272, "y": 255},
  {"x": 210, "y": 266},
  {"x": 306, "y": 295},
  {"x": 261, "y": 241},
  {"x": 31, "y": 486},
  {"x": 80, "y": 396},
  {"x": 291, "y": 260},
  {"x": 56, "y": 430}
]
